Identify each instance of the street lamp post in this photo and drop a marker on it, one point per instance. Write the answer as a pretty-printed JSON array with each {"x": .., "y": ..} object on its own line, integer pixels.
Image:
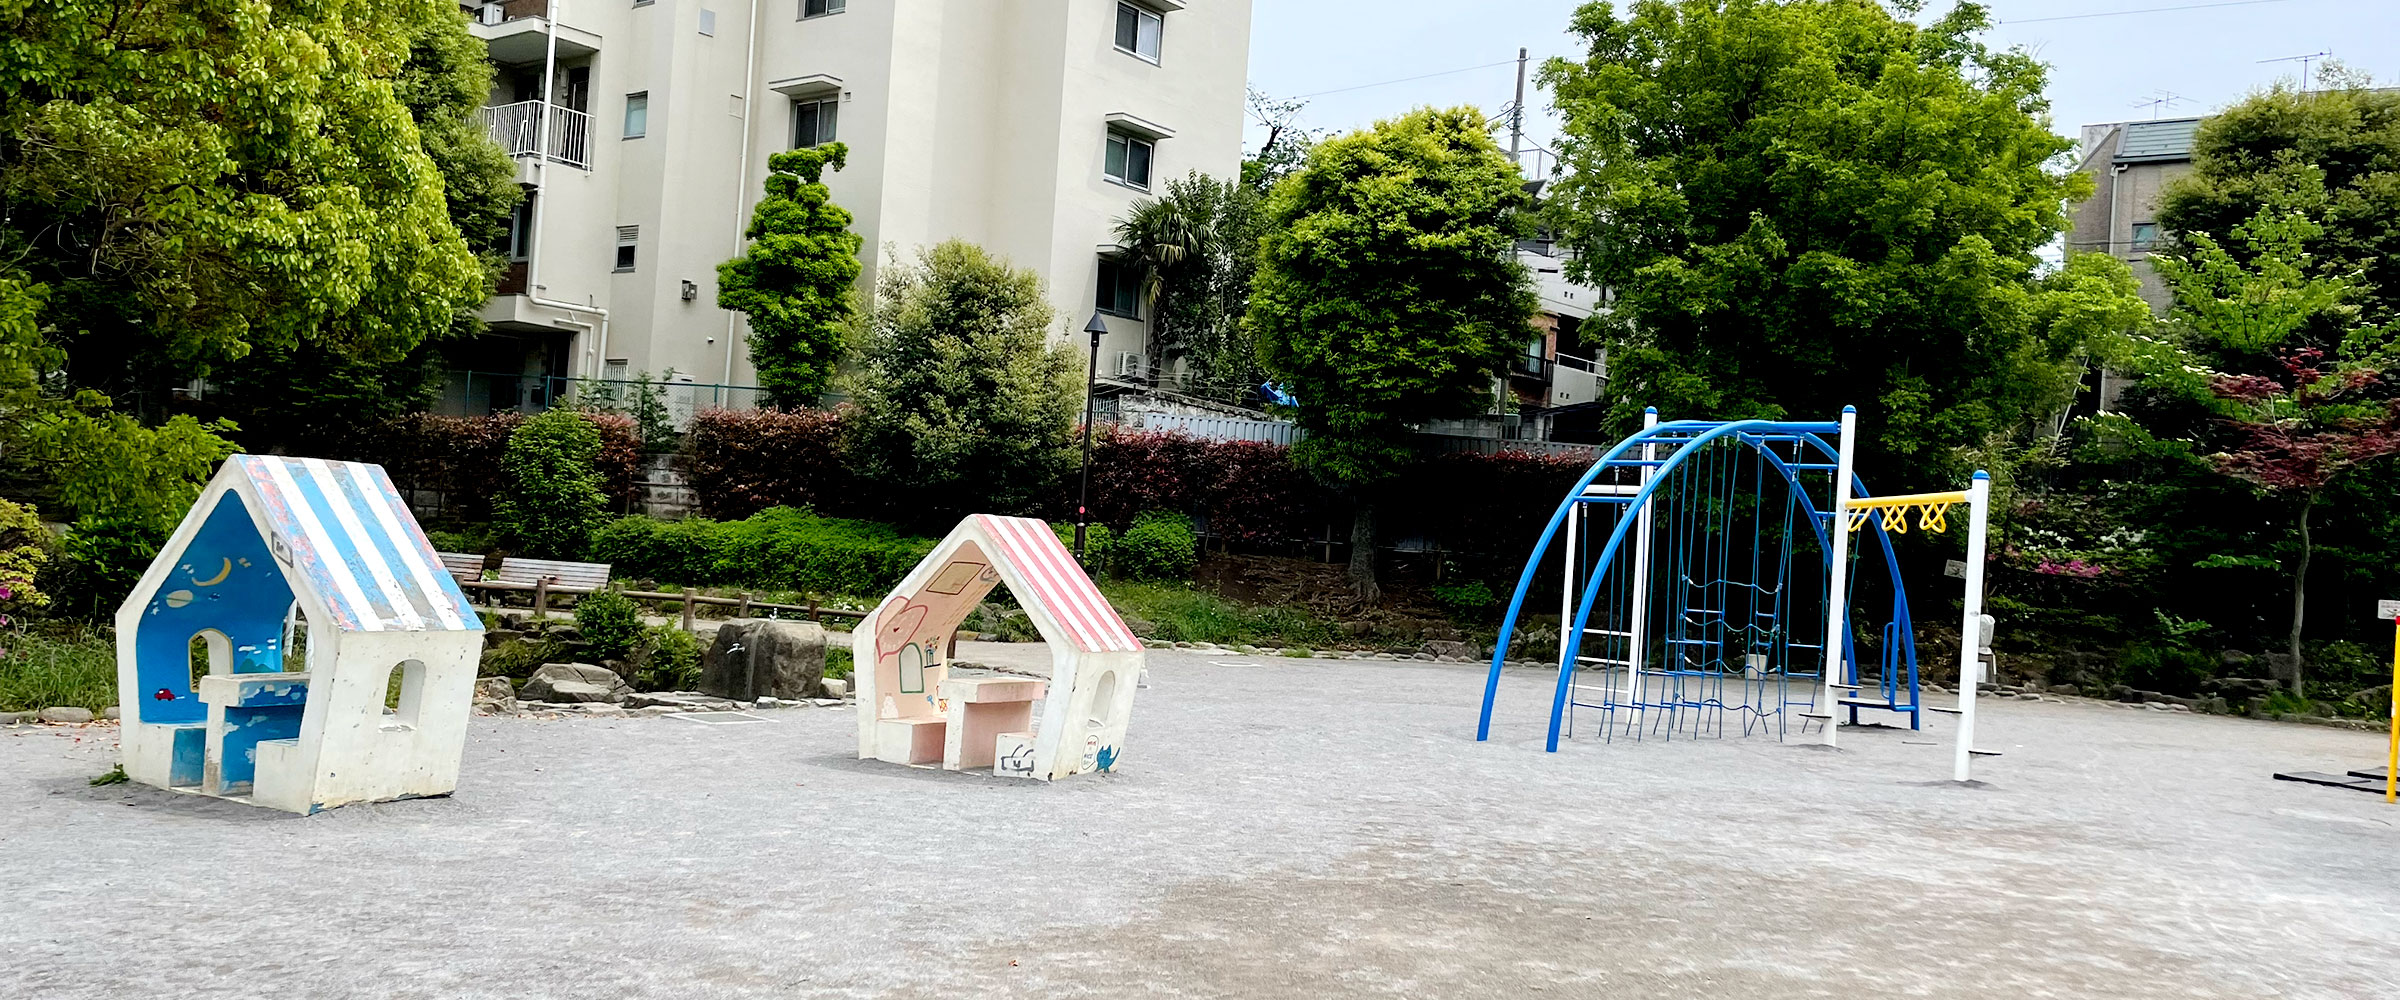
[{"x": 1091, "y": 379}]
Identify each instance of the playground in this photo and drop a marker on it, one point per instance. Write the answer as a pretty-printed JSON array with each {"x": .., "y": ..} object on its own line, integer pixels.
[{"x": 1285, "y": 828}]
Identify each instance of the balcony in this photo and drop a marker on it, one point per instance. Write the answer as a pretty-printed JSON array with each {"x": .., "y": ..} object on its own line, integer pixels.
[
  {"x": 518, "y": 129},
  {"x": 517, "y": 32}
]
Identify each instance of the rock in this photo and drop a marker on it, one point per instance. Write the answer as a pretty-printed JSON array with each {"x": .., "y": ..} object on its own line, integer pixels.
[
  {"x": 494, "y": 637},
  {"x": 2178, "y": 708},
  {"x": 496, "y": 695},
  {"x": 15, "y": 718},
  {"x": 1462, "y": 650},
  {"x": 2283, "y": 669},
  {"x": 755, "y": 657},
  {"x": 601, "y": 708},
  {"x": 2216, "y": 706},
  {"x": 652, "y": 711},
  {"x": 1186, "y": 645},
  {"x": 826, "y": 702},
  {"x": 566, "y": 633},
  {"x": 575, "y": 682},
  {"x": 836, "y": 688},
  {"x": 64, "y": 714},
  {"x": 111, "y": 712},
  {"x": 514, "y": 620}
]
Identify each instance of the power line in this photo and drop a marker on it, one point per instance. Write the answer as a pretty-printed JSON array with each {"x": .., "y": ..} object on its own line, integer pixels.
[
  {"x": 1405, "y": 79},
  {"x": 2145, "y": 10}
]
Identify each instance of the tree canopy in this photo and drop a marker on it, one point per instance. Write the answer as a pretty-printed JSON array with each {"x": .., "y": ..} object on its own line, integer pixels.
[
  {"x": 1198, "y": 247},
  {"x": 2330, "y": 155},
  {"x": 189, "y": 181},
  {"x": 962, "y": 401},
  {"x": 795, "y": 282},
  {"x": 1800, "y": 205},
  {"x": 1388, "y": 293}
]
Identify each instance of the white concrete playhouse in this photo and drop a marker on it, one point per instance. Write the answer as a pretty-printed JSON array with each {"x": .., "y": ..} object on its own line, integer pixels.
[
  {"x": 325, "y": 553},
  {"x": 911, "y": 711}
]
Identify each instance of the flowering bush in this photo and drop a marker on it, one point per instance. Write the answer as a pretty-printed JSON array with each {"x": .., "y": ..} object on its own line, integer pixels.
[{"x": 741, "y": 462}]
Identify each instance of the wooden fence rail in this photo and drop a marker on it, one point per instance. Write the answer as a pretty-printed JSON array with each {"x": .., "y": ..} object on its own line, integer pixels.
[{"x": 691, "y": 599}]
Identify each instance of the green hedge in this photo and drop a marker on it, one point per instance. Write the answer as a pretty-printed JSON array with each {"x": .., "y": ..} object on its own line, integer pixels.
[{"x": 777, "y": 548}]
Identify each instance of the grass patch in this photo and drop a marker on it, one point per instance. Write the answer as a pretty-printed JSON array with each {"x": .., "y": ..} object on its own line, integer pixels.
[
  {"x": 837, "y": 661},
  {"x": 1173, "y": 612},
  {"x": 77, "y": 669}
]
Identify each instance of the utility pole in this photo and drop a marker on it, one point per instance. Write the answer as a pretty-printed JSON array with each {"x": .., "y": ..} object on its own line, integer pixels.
[{"x": 1516, "y": 111}]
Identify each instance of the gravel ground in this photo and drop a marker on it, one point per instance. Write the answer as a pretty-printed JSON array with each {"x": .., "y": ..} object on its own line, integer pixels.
[{"x": 1279, "y": 828}]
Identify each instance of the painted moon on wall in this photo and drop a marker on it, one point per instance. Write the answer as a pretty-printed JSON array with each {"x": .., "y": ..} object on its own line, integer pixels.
[
  {"x": 178, "y": 598},
  {"x": 222, "y": 573}
]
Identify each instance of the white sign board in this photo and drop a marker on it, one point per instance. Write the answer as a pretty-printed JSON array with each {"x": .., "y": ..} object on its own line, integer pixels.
[
  {"x": 1955, "y": 569},
  {"x": 2387, "y": 610}
]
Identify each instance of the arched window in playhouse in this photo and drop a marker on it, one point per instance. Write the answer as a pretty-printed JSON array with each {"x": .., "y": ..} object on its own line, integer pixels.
[
  {"x": 1104, "y": 699},
  {"x": 211, "y": 653},
  {"x": 295, "y": 639},
  {"x": 403, "y": 694}
]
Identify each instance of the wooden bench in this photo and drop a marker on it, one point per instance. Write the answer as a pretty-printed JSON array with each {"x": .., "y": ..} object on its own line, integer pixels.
[
  {"x": 543, "y": 574},
  {"x": 463, "y": 565}
]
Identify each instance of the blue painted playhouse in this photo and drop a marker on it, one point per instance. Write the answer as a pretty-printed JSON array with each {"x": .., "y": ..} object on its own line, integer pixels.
[{"x": 297, "y": 645}]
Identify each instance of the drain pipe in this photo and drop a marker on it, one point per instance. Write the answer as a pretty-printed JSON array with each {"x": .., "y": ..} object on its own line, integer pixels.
[
  {"x": 541, "y": 200},
  {"x": 750, "y": 77}
]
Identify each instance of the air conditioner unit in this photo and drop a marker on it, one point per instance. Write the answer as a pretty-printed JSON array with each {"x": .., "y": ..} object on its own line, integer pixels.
[
  {"x": 1131, "y": 365},
  {"x": 491, "y": 13}
]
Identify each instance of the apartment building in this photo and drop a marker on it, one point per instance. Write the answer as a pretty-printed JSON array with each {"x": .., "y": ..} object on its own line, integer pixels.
[
  {"x": 2130, "y": 164},
  {"x": 642, "y": 129}
]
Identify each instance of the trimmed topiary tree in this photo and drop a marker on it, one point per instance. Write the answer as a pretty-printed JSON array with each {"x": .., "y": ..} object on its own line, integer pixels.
[{"x": 794, "y": 283}]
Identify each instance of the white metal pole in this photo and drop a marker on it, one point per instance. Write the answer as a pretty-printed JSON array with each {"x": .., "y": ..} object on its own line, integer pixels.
[
  {"x": 1837, "y": 578},
  {"x": 1636, "y": 629},
  {"x": 1979, "y": 500},
  {"x": 1566, "y": 599}
]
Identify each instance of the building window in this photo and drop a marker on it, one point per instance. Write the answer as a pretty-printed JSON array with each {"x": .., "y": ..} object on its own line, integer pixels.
[
  {"x": 820, "y": 8},
  {"x": 1120, "y": 289},
  {"x": 813, "y": 121},
  {"x": 637, "y": 115},
  {"x": 1129, "y": 160},
  {"x": 519, "y": 241},
  {"x": 628, "y": 239},
  {"x": 2144, "y": 234},
  {"x": 1138, "y": 31}
]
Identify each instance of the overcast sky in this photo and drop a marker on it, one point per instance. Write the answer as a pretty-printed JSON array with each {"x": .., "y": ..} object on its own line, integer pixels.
[{"x": 2103, "y": 69}]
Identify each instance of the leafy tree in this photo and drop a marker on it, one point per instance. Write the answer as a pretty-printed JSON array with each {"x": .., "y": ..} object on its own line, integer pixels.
[
  {"x": 123, "y": 486},
  {"x": 2295, "y": 413},
  {"x": 1810, "y": 203},
  {"x": 1287, "y": 143},
  {"x": 551, "y": 498},
  {"x": 795, "y": 282},
  {"x": 303, "y": 397},
  {"x": 1388, "y": 294},
  {"x": 963, "y": 402},
  {"x": 2331, "y": 155},
  {"x": 191, "y": 181},
  {"x": 1199, "y": 247}
]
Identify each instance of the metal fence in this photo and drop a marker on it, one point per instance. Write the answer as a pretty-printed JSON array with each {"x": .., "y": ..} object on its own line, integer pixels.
[
  {"x": 517, "y": 128},
  {"x": 469, "y": 393},
  {"x": 1215, "y": 428}
]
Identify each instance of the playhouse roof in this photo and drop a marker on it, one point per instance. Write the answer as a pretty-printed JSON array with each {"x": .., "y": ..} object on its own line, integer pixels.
[
  {"x": 1052, "y": 579},
  {"x": 342, "y": 531}
]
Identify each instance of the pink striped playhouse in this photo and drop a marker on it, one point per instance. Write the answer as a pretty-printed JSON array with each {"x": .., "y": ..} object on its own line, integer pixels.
[{"x": 911, "y": 711}]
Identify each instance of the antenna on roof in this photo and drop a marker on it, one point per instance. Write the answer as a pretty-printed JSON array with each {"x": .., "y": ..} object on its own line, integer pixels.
[
  {"x": 2306, "y": 62},
  {"x": 2165, "y": 100}
]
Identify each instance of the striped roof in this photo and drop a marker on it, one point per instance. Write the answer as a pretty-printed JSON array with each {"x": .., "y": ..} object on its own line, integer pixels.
[
  {"x": 342, "y": 528},
  {"x": 1061, "y": 587}
]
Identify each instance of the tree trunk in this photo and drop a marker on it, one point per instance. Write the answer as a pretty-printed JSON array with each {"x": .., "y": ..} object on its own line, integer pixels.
[
  {"x": 2300, "y": 589},
  {"x": 1362, "y": 554}
]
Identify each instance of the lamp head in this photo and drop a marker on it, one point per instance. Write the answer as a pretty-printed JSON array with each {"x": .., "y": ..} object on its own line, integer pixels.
[{"x": 1097, "y": 327}]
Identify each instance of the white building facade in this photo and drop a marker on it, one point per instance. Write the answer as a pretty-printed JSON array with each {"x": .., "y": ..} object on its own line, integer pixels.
[{"x": 1026, "y": 126}]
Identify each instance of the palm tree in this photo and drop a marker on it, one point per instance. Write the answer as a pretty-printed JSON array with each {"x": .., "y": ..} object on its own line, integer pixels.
[{"x": 1174, "y": 242}]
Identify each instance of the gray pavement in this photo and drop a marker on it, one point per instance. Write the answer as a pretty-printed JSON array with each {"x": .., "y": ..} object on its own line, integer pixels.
[{"x": 1278, "y": 828}]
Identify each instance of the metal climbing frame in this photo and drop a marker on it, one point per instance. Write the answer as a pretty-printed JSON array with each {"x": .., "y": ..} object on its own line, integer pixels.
[{"x": 1695, "y": 561}]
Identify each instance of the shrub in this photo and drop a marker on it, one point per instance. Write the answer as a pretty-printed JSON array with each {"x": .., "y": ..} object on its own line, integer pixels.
[
  {"x": 778, "y": 548},
  {"x": 740, "y": 462},
  {"x": 610, "y": 623},
  {"x": 24, "y": 548},
  {"x": 666, "y": 659},
  {"x": 1159, "y": 546},
  {"x": 519, "y": 658},
  {"x": 1465, "y": 598},
  {"x": 1097, "y": 544},
  {"x": 838, "y": 662},
  {"x": 457, "y": 457},
  {"x": 552, "y": 499},
  {"x": 125, "y": 484}
]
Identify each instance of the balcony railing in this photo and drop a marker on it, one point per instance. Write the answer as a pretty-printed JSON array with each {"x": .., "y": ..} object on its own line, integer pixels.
[{"x": 517, "y": 128}]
